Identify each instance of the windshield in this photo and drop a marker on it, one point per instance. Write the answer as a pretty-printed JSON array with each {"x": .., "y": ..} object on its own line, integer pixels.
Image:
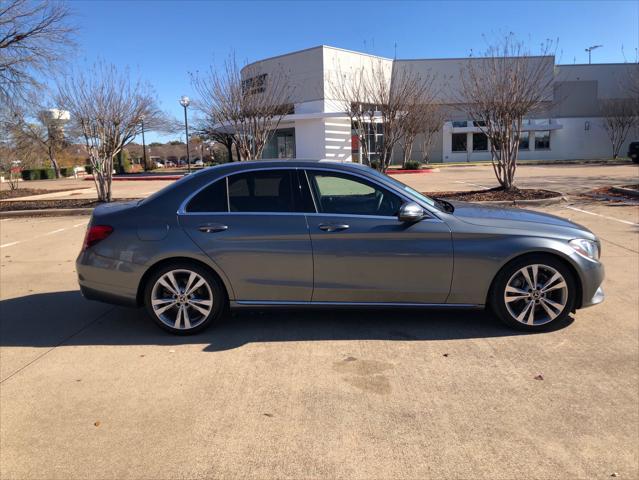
[{"x": 411, "y": 191}]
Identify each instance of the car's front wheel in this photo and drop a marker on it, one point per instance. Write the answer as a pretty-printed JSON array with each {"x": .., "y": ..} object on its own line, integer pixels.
[
  {"x": 533, "y": 293},
  {"x": 184, "y": 298}
]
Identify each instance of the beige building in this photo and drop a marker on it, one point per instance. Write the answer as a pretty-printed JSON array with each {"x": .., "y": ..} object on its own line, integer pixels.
[{"x": 320, "y": 129}]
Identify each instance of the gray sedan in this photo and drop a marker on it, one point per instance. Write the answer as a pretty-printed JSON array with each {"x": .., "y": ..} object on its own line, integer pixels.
[{"x": 311, "y": 234}]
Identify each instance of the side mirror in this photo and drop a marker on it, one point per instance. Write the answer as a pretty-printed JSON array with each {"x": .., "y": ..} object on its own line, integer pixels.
[{"x": 411, "y": 212}]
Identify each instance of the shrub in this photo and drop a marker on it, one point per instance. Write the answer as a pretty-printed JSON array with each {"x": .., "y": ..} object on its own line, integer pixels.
[
  {"x": 38, "y": 174},
  {"x": 375, "y": 164},
  {"x": 412, "y": 165},
  {"x": 88, "y": 169},
  {"x": 66, "y": 171}
]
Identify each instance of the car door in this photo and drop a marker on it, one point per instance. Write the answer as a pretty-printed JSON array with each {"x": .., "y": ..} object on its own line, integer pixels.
[
  {"x": 252, "y": 226},
  {"x": 362, "y": 253}
]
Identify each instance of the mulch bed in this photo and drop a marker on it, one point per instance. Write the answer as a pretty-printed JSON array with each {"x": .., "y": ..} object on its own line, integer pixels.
[
  {"x": 26, "y": 192},
  {"x": 608, "y": 194},
  {"x": 496, "y": 194},
  {"x": 49, "y": 204}
]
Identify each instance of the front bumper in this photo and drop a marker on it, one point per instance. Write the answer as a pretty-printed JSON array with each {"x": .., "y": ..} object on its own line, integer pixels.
[{"x": 592, "y": 275}]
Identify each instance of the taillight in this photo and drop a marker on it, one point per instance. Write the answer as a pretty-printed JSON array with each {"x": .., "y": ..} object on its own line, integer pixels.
[{"x": 95, "y": 234}]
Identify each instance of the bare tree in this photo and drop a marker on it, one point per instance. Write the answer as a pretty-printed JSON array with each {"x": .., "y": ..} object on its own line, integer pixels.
[
  {"x": 247, "y": 103},
  {"x": 501, "y": 88},
  {"x": 425, "y": 118},
  {"x": 36, "y": 125},
  {"x": 107, "y": 109},
  {"x": 381, "y": 93},
  {"x": 34, "y": 38},
  {"x": 620, "y": 116}
]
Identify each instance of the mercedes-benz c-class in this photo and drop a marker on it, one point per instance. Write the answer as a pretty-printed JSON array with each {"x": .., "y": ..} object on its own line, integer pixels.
[{"x": 315, "y": 234}]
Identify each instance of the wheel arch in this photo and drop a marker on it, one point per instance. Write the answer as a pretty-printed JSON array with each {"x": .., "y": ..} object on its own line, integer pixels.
[
  {"x": 164, "y": 261},
  {"x": 551, "y": 253}
]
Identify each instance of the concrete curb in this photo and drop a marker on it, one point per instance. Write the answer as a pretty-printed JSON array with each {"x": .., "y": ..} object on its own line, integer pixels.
[
  {"x": 46, "y": 212},
  {"x": 625, "y": 191},
  {"x": 524, "y": 203}
]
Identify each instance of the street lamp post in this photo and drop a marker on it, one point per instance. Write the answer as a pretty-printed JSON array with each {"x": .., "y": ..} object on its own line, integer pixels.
[
  {"x": 143, "y": 144},
  {"x": 185, "y": 102},
  {"x": 589, "y": 50}
]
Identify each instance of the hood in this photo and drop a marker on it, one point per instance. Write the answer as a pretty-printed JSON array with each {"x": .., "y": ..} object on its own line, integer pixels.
[{"x": 510, "y": 217}]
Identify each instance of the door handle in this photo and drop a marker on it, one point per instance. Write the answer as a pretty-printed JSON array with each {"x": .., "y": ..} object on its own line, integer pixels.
[
  {"x": 212, "y": 228},
  {"x": 333, "y": 227}
]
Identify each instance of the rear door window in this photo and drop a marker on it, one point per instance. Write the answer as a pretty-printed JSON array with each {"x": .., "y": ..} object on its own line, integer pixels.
[
  {"x": 263, "y": 191},
  {"x": 211, "y": 199}
]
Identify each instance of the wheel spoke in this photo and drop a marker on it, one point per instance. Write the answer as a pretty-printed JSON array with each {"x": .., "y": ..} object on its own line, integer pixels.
[
  {"x": 162, "y": 281},
  {"x": 531, "y": 314},
  {"x": 511, "y": 289},
  {"x": 514, "y": 298},
  {"x": 557, "y": 286},
  {"x": 185, "y": 315},
  {"x": 178, "y": 317},
  {"x": 161, "y": 310},
  {"x": 524, "y": 312},
  {"x": 551, "y": 313},
  {"x": 526, "y": 274},
  {"x": 557, "y": 306},
  {"x": 552, "y": 280},
  {"x": 196, "y": 304},
  {"x": 173, "y": 281},
  {"x": 535, "y": 269},
  {"x": 198, "y": 284},
  {"x": 192, "y": 277}
]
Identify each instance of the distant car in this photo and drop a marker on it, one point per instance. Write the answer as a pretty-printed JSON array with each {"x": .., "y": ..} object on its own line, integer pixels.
[
  {"x": 159, "y": 165},
  {"x": 198, "y": 163},
  {"x": 314, "y": 234},
  {"x": 169, "y": 163},
  {"x": 633, "y": 151}
]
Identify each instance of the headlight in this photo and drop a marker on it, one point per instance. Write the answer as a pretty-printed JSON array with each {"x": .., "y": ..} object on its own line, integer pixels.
[{"x": 586, "y": 248}]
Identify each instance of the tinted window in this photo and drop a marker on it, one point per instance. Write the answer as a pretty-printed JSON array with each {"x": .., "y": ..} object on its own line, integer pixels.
[
  {"x": 459, "y": 142},
  {"x": 211, "y": 199},
  {"x": 480, "y": 142},
  {"x": 263, "y": 191},
  {"x": 345, "y": 194}
]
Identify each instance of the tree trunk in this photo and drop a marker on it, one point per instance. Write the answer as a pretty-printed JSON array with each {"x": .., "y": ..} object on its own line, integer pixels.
[{"x": 229, "y": 151}]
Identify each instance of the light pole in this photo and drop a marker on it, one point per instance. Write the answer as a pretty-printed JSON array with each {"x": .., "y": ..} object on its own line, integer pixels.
[
  {"x": 589, "y": 50},
  {"x": 143, "y": 144},
  {"x": 185, "y": 102}
]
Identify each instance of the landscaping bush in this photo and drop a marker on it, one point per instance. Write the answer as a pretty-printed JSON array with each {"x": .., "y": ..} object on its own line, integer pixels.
[
  {"x": 38, "y": 174},
  {"x": 88, "y": 169},
  {"x": 66, "y": 171},
  {"x": 375, "y": 164},
  {"x": 412, "y": 165}
]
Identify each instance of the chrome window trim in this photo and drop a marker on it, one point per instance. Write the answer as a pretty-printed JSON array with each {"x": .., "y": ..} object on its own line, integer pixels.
[{"x": 402, "y": 194}]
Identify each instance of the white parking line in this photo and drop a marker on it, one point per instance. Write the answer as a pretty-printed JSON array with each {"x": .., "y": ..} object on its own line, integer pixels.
[
  {"x": 600, "y": 215},
  {"x": 55, "y": 231},
  {"x": 472, "y": 184},
  {"x": 80, "y": 224},
  {"x": 5, "y": 220},
  {"x": 9, "y": 244}
]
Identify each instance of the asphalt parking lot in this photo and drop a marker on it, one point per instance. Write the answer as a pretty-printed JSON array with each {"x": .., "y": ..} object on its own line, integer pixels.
[{"x": 92, "y": 390}]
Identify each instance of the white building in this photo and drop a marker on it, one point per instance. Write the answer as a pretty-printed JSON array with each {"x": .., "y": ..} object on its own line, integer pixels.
[{"x": 320, "y": 129}]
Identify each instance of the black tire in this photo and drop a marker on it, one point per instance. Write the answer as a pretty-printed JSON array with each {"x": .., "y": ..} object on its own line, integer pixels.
[
  {"x": 212, "y": 287},
  {"x": 510, "y": 273}
]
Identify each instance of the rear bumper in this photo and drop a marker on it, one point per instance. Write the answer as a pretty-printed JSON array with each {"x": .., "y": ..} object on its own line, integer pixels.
[
  {"x": 107, "y": 297},
  {"x": 108, "y": 280}
]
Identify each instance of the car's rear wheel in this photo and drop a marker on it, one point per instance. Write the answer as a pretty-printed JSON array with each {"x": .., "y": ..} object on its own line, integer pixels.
[
  {"x": 184, "y": 298},
  {"x": 533, "y": 293}
]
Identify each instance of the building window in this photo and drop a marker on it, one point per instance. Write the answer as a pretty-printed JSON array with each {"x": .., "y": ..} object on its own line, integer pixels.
[
  {"x": 524, "y": 141},
  {"x": 480, "y": 142},
  {"x": 542, "y": 140},
  {"x": 479, "y": 123},
  {"x": 460, "y": 142},
  {"x": 281, "y": 144},
  {"x": 253, "y": 85},
  {"x": 460, "y": 123}
]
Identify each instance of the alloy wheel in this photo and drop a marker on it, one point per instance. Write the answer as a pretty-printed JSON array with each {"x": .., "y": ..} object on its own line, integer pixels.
[
  {"x": 536, "y": 294},
  {"x": 181, "y": 299}
]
